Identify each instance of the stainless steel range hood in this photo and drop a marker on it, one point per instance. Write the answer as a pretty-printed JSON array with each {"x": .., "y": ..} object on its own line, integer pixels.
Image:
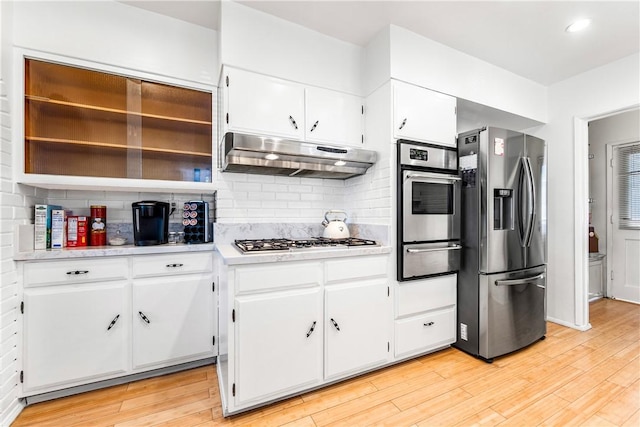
[{"x": 275, "y": 156}]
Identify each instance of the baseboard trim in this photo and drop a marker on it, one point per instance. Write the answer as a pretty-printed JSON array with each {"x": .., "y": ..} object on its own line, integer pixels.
[{"x": 582, "y": 328}]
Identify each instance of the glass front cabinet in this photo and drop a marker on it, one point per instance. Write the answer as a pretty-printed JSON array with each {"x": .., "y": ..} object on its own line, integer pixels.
[{"x": 84, "y": 127}]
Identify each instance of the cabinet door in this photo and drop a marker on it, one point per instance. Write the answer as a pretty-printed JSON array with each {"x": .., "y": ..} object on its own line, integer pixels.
[
  {"x": 423, "y": 115},
  {"x": 333, "y": 117},
  {"x": 357, "y": 322},
  {"x": 264, "y": 105},
  {"x": 74, "y": 334},
  {"x": 172, "y": 319},
  {"x": 278, "y": 343}
]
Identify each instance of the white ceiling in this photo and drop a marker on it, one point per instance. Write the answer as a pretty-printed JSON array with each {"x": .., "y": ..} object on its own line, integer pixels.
[{"x": 525, "y": 37}]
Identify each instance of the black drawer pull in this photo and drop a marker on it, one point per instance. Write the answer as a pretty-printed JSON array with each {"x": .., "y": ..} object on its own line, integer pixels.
[
  {"x": 174, "y": 265},
  {"x": 335, "y": 324},
  {"x": 313, "y": 327},
  {"x": 429, "y": 324},
  {"x": 113, "y": 322},
  {"x": 143, "y": 317},
  {"x": 76, "y": 272}
]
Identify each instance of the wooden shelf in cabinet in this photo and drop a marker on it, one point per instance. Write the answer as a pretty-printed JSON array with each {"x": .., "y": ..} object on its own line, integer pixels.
[
  {"x": 114, "y": 110},
  {"x": 116, "y": 146}
]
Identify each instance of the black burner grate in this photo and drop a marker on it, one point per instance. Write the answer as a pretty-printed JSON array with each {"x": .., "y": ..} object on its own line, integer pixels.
[{"x": 265, "y": 245}]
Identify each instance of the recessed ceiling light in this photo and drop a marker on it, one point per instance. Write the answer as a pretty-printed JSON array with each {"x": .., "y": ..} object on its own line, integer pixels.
[
  {"x": 271, "y": 156},
  {"x": 578, "y": 25}
]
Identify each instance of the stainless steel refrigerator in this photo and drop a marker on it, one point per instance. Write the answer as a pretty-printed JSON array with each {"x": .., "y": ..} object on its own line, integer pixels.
[{"x": 502, "y": 277}]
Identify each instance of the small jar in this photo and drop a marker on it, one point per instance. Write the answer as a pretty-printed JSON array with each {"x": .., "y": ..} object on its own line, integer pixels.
[
  {"x": 180, "y": 237},
  {"x": 173, "y": 237}
]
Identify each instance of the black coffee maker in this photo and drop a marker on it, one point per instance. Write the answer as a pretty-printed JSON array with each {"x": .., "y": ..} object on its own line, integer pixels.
[{"x": 150, "y": 223}]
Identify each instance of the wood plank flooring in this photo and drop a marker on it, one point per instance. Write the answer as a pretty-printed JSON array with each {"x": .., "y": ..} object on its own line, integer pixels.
[{"x": 576, "y": 378}]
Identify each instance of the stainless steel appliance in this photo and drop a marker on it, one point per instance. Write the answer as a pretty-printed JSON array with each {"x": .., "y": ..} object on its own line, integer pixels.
[
  {"x": 428, "y": 210},
  {"x": 502, "y": 278},
  {"x": 150, "y": 222},
  {"x": 276, "y": 156},
  {"x": 249, "y": 246}
]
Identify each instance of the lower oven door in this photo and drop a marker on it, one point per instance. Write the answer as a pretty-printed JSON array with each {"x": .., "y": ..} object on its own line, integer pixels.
[{"x": 427, "y": 259}]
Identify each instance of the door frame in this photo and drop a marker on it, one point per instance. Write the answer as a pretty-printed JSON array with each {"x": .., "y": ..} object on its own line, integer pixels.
[
  {"x": 581, "y": 214},
  {"x": 610, "y": 146}
]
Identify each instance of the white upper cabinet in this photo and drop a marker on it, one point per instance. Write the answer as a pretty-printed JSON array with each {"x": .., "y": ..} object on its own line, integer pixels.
[
  {"x": 263, "y": 105},
  {"x": 259, "y": 104},
  {"x": 423, "y": 115},
  {"x": 333, "y": 117}
]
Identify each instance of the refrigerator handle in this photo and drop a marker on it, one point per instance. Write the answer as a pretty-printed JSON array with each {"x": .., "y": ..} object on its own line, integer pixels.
[
  {"x": 525, "y": 281},
  {"x": 532, "y": 201},
  {"x": 526, "y": 231}
]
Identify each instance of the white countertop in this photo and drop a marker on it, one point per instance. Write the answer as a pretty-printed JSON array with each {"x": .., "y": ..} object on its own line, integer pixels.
[
  {"x": 98, "y": 251},
  {"x": 232, "y": 256}
]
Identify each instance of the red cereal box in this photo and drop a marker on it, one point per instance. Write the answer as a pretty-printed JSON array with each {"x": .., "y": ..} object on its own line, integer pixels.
[{"x": 77, "y": 231}]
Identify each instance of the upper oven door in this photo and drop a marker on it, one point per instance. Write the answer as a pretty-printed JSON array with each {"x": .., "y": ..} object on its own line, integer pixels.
[{"x": 430, "y": 206}]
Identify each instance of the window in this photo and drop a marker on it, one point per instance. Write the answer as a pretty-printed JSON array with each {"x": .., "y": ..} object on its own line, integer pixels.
[{"x": 628, "y": 160}]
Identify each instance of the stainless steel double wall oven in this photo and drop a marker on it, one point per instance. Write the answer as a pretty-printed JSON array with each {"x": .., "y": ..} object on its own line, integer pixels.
[{"x": 428, "y": 210}]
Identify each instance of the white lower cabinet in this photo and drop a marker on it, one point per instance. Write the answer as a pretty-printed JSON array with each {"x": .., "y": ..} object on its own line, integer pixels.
[
  {"x": 74, "y": 333},
  {"x": 278, "y": 343},
  {"x": 172, "y": 319},
  {"x": 90, "y": 319},
  {"x": 425, "y": 315},
  {"x": 357, "y": 330},
  {"x": 291, "y": 326}
]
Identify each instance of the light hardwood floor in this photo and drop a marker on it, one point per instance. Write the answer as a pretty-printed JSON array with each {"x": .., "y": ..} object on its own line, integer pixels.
[{"x": 587, "y": 378}]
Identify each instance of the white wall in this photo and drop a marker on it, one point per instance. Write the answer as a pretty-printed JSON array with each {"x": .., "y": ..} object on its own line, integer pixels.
[
  {"x": 256, "y": 41},
  {"x": 120, "y": 35},
  {"x": 604, "y": 90},
  {"x": 424, "y": 62},
  {"x": 623, "y": 127}
]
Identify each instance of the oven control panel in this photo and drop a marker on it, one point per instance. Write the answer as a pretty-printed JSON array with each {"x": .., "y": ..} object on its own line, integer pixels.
[{"x": 417, "y": 154}]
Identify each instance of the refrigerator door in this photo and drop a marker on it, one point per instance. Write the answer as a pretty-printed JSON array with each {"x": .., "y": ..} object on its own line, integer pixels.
[
  {"x": 512, "y": 311},
  {"x": 502, "y": 201},
  {"x": 535, "y": 151}
]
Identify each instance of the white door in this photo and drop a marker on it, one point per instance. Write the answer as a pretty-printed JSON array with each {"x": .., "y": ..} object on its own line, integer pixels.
[
  {"x": 263, "y": 105},
  {"x": 423, "y": 115},
  {"x": 173, "y": 319},
  {"x": 625, "y": 224},
  {"x": 333, "y": 117},
  {"x": 74, "y": 334},
  {"x": 357, "y": 327},
  {"x": 278, "y": 343}
]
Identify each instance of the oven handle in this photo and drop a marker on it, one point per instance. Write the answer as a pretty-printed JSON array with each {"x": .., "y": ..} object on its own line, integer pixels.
[
  {"x": 447, "y": 248},
  {"x": 438, "y": 176}
]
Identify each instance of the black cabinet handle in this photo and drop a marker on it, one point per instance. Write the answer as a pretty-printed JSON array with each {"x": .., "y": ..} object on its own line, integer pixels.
[
  {"x": 76, "y": 272},
  {"x": 313, "y": 327},
  {"x": 335, "y": 324},
  {"x": 174, "y": 265},
  {"x": 143, "y": 317},
  {"x": 293, "y": 122},
  {"x": 404, "y": 122},
  {"x": 314, "y": 126},
  {"x": 113, "y": 322},
  {"x": 429, "y": 324}
]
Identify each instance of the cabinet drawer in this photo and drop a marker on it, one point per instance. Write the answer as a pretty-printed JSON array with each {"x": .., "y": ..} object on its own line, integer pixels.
[
  {"x": 258, "y": 278},
  {"x": 422, "y": 295},
  {"x": 182, "y": 263},
  {"x": 75, "y": 271},
  {"x": 425, "y": 332},
  {"x": 356, "y": 268}
]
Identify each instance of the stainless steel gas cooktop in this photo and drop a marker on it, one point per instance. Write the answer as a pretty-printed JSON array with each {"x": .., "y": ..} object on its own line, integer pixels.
[{"x": 265, "y": 245}]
